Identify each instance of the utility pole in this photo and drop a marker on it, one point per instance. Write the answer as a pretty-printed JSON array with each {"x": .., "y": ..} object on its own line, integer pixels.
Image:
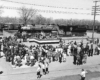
[{"x": 94, "y": 13}]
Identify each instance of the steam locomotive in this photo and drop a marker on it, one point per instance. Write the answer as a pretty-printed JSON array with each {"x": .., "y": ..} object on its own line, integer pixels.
[{"x": 63, "y": 30}]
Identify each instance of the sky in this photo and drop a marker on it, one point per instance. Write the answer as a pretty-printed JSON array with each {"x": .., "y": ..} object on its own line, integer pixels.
[{"x": 86, "y": 6}]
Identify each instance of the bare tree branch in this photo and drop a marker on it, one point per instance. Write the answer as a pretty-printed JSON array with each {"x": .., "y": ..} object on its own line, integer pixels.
[
  {"x": 27, "y": 14},
  {"x": 1, "y": 10}
]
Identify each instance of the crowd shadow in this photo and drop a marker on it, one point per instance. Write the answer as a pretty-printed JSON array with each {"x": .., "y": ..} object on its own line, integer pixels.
[{"x": 1, "y": 72}]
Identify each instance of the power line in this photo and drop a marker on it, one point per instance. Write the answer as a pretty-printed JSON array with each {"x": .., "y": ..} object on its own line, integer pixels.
[
  {"x": 45, "y": 5},
  {"x": 46, "y": 11}
]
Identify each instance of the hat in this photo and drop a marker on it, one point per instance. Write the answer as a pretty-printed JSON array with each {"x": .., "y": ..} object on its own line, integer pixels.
[{"x": 82, "y": 69}]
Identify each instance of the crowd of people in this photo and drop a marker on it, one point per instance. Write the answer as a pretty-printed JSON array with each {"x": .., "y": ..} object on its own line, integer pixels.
[
  {"x": 77, "y": 50},
  {"x": 16, "y": 53},
  {"x": 43, "y": 35}
]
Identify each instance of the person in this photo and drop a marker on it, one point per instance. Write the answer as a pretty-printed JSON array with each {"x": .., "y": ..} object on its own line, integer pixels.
[
  {"x": 47, "y": 65},
  {"x": 97, "y": 40},
  {"x": 39, "y": 71},
  {"x": 87, "y": 48},
  {"x": 84, "y": 58},
  {"x": 32, "y": 60},
  {"x": 1, "y": 54},
  {"x": 43, "y": 68},
  {"x": 98, "y": 51},
  {"x": 27, "y": 58},
  {"x": 78, "y": 54},
  {"x": 64, "y": 57},
  {"x": 15, "y": 61},
  {"x": 18, "y": 59},
  {"x": 83, "y": 74},
  {"x": 89, "y": 54},
  {"x": 60, "y": 58},
  {"x": 75, "y": 55},
  {"x": 69, "y": 50},
  {"x": 91, "y": 49}
]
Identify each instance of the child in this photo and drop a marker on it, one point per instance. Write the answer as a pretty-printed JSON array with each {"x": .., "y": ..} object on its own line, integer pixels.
[
  {"x": 27, "y": 58},
  {"x": 64, "y": 57},
  {"x": 43, "y": 68},
  {"x": 39, "y": 72},
  {"x": 84, "y": 58},
  {"x": 47, "y": 65},
  {"x": 83, "y": 74}
]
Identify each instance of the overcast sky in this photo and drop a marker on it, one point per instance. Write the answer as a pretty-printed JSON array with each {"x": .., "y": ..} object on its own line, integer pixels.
[{"x": 85, "y": 4}]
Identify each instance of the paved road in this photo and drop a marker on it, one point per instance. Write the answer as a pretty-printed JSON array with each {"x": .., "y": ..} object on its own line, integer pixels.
[
  {"x": 56, "y": 69},
  {"x": 89, "y": 76}
]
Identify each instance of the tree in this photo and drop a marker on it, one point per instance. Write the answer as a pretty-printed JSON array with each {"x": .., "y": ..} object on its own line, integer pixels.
[
  {"x": 40, "y": 20},
  {"x": 9, "y": 20},
  {"x": 26, "y": 14},
  {"x": 0, "y": 10},
  {"x": 50, "y": 21}
]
